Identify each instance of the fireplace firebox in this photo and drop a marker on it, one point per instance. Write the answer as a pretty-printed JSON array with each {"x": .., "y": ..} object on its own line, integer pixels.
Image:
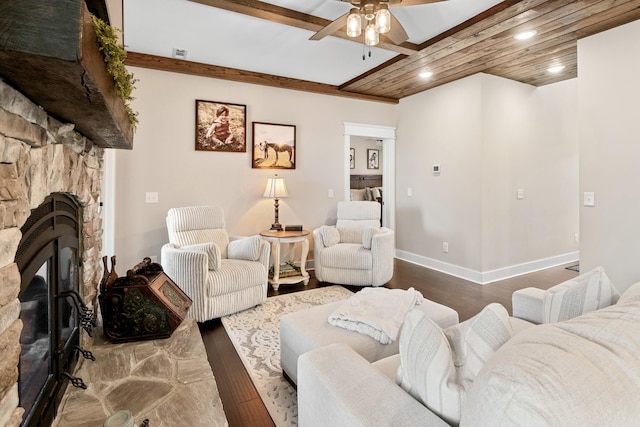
[{"x": 49, "y": 258}]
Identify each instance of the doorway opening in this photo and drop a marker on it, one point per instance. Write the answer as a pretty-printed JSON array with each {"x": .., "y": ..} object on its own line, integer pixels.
[{"x": 383, "y": 138}]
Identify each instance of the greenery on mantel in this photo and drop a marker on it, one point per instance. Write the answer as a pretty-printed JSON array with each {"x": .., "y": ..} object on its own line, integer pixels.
[{"x": 115, "y": 55}]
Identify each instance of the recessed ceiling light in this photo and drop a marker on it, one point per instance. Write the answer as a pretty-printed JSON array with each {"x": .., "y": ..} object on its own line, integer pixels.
[
  {"x": 555, "y": 68},
  {"x": 426, "y": 74},
  {"x": 526, "y": 35}
]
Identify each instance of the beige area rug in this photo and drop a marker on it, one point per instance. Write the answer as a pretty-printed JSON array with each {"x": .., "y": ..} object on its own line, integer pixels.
[{"x": 256, "y": 336}]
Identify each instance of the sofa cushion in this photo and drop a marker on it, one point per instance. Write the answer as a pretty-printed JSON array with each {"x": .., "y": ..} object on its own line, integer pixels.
[
  {"x": 438, "y": 366},
  {"x": 631, "y": 294},
  {"x": 580, "y": 372},
  {"x": 248, "y": 248},
  {"x": 351, "y": 256},
  {"x": 330, "y": 236},
  {"x": 212, "y": 250},
  {"x": 588, "y": 292},
  {"x": 235, "y": 275}
]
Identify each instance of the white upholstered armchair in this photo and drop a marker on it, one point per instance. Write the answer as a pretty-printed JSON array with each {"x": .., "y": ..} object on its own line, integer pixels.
[
  {"x": 356, "y": 251},
  {"x": 221, "y": 275}
]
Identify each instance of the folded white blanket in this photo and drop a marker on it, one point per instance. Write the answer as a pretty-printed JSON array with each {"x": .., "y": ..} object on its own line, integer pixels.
[{"x": 377, "y": 312}]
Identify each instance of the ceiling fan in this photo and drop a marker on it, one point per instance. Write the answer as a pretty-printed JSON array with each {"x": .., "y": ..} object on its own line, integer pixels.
[{"x": 374, "y": 18}]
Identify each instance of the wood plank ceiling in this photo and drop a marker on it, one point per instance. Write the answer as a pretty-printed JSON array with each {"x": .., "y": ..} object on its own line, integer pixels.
[{"x": 483, "y": 44}]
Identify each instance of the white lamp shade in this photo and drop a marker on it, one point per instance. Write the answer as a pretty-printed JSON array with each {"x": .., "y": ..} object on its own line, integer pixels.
[{"x": 275, "y": 188}]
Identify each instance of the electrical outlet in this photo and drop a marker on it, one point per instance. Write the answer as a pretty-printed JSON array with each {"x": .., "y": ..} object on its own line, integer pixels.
[
  {"x": 576, "y": 238},
  {"x": 154, "y": 258},
  {"x": 330, "y": 192},
  {"x": 445, "y": 247},
  {"x": 151, "y": 197},
  {"x": 409, "y": 192},
  {"x": 520, "y": 194}
]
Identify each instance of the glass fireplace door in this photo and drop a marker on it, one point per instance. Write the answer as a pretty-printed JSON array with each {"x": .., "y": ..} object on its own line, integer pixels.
[{"x": 35, "y": 340}]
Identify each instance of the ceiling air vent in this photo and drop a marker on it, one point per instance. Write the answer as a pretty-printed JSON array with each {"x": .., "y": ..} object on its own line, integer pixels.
[{"x": 179, "y": 53}]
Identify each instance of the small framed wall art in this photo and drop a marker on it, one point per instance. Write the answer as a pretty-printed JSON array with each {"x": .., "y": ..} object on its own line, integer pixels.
[
  {"x": 221, "y": 126},
  {"x": 352, "y": 158},
  {"x": 274, "y": 146},
  {"x": 373, "y": 159}
]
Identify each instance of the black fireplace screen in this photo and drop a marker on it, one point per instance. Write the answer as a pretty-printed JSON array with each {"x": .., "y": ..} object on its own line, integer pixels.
[{"x": 48, "y": 258}]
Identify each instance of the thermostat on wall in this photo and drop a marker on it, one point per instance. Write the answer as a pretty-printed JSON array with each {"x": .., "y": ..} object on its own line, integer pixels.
[{"x": 436, "y": 169}]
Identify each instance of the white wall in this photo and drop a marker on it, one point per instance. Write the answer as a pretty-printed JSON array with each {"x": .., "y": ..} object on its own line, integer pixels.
[
  {"x": 529, "y": 142},
  {"x": 164, "y": 159},
  {"x": 610, "y": 152},
  {"x": 490, "y": 137},
  {"x": 442, "y": 125}
]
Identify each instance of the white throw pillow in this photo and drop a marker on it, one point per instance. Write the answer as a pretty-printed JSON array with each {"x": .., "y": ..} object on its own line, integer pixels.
[
  {"x": 350, "y": 234},
  {"x": 357, "y": 195},
  {"x": 330, "y": 236},
  {"x": 587, "y": 292},
  {"x": 211, "y": 249},
  {"x": 437, "y": 366},
  {"x": 367, "y": 236},
  {"x": 247, "y": 248}
]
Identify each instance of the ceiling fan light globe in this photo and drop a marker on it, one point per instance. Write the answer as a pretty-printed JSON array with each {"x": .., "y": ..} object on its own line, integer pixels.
[
  {"x": 354, "y": 23},
  {"x": 383, "y": 19},
  {"x": 371, "y": 37}
]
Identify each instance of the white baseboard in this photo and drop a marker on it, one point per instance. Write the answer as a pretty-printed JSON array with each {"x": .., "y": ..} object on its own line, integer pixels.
[{"x": 484, "y": 278}]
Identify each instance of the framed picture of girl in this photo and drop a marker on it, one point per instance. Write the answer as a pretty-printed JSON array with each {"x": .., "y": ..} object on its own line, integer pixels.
[{"x": 220, "y": 126}]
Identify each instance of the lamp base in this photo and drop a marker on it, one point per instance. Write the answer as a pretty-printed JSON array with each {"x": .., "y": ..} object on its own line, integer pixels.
[{"x": 276, "y": 226}]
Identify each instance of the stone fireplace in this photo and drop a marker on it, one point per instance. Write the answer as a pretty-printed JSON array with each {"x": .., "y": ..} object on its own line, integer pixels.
[{"x": 39, "y": 157}]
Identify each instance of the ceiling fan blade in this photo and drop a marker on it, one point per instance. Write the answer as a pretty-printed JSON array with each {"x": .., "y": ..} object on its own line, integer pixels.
[
  {"x": 411, "y": 2},
  {"x": 397, "y": 34},
  {"x": 331, "y": 28}
]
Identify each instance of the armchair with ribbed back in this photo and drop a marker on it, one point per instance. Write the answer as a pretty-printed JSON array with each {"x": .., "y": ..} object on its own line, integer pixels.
[
  {"x": 222, "y": 275},
  {"x": 356, "y": 251}
]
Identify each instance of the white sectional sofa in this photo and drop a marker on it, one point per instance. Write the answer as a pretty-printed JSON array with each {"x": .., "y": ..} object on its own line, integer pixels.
[{"x": 580, "y": 372}]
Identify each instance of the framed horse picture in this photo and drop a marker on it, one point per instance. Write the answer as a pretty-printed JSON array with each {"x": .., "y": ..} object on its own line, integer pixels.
[{"x": 274, "y": 146}]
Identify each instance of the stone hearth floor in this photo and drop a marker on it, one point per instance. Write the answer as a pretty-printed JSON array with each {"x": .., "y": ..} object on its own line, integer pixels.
[{"x": 167, "y": 381}]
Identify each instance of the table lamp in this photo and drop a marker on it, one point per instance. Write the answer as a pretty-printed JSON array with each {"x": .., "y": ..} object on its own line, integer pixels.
[{"x": 275, "y": 190}]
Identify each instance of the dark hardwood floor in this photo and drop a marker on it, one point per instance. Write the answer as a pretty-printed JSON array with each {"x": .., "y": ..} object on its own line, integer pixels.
[{"x": 241, "y": 401}]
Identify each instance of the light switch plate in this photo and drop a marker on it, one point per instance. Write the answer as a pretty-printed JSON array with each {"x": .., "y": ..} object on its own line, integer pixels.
[{"x": 589, "y": 198}]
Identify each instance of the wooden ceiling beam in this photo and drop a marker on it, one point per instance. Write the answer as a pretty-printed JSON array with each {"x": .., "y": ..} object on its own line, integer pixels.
[
  {"x": 293, "y": 18},
  {"x": 135, "y": 59}
]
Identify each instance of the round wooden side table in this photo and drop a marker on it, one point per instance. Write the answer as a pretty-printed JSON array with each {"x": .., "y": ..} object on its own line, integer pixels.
[{"x": 278, "y": 237}]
